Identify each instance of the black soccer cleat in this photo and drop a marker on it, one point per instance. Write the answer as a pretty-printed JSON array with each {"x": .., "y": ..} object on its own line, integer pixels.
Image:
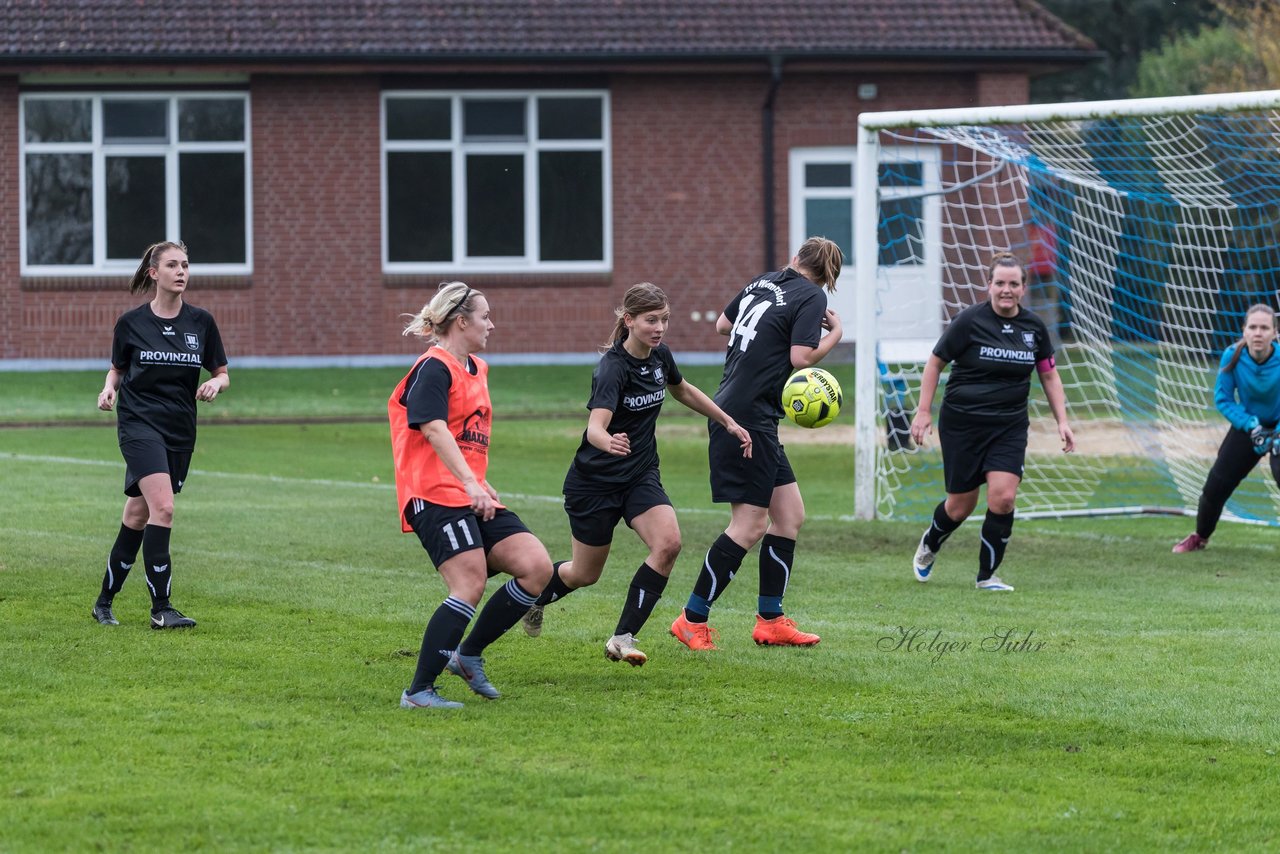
[
  {"x": 171, "y": 618},
  {"x": 102, "y": 613}
]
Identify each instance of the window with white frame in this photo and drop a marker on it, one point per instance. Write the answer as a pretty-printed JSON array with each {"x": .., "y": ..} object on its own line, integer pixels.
[
  {"x": 495, "y": 181},
  {"x": 105, "y": 175},
  {"x": 909, "y": 231}
]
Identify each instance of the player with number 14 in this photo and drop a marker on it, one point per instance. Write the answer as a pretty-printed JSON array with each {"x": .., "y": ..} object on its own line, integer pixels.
[{"x": 775, "y": 326}]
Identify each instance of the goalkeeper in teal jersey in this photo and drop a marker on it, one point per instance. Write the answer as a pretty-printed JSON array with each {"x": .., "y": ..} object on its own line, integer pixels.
[{"x": 1247, "y": 394}]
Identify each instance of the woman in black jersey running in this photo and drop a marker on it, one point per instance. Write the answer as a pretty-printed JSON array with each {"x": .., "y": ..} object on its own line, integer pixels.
[
  {"x": 993, "y": 347},
  {"x": 614, "y": 475},
  {"x": 775, "y": 325},
  {"x": 157, "y": 352}
]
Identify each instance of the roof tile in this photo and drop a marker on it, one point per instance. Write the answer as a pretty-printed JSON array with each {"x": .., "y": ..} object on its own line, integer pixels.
[{"x": 336, "y": 29}]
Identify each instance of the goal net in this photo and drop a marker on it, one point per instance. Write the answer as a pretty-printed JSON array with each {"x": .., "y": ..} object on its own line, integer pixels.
[{"x": 1147, "y": 228}]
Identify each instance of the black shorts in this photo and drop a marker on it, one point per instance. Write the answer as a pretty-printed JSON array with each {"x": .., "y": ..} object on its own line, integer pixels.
[
  {"x": 592, "y": 517},
  {"x": 446, "y": 532},
  {"x": 144, "y": 456},
  {"x": 972, "y": 447},
  {"x": 738, "y": 480}
]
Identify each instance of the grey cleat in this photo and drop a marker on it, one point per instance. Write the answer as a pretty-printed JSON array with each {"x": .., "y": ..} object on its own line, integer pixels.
[
  {"x": 531, "y": 622},
  {"x": 427, "y": 698},
  {"x": 471, "y": 669}
]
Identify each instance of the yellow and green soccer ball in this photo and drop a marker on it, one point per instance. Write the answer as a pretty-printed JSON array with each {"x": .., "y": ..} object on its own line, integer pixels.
[{"x": 812, "y": 398}]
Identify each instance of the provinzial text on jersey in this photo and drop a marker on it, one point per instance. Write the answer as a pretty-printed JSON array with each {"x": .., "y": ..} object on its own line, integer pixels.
[
  {"x": 644, "y": 401},
  {"x": 165, "y": 357},
  {"x": 1006, "y": 354}
]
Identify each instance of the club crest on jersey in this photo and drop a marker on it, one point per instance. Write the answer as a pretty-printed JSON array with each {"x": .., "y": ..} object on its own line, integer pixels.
[
  {"x": 193, "y": 343},
  {"x": 1029, "y": 338},
  {"x": 657, "y": 375}
]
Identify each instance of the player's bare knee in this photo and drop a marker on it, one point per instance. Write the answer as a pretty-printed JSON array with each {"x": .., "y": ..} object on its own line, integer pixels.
[
  {"x": 665, "y": 553},
  {"x": 161, "y": 514},
  {"x": 1002, "y": 503},
  {"x": 584, "y": 574},
  {"x": 468, "y": 589},
  {"x": 747, "y": 534},
  {"x": 533, "y": 574}
]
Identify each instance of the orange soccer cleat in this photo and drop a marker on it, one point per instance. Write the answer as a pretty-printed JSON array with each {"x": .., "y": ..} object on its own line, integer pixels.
[
  {"x": 781, "y": 631},
  {"x": 694, "y": 635}
]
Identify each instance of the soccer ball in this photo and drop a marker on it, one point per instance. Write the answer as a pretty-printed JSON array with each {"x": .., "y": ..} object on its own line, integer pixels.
[{"x": 812, "y": 398}]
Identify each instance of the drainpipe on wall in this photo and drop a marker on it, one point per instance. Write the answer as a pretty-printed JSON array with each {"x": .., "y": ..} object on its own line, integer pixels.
[{"x": 775, "y": 80}]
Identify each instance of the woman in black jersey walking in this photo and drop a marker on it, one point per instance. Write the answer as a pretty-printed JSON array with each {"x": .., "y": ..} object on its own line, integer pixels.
[
  {"x": 157, "y": 352},
  {"x": 614, "y": 475},
  {"x": 993, "y": 347},
  {"x": 775, "y": 325}
]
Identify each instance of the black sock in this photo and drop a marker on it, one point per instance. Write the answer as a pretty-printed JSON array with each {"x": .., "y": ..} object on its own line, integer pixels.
[
  {"x": 444, "y": 631},
  {"x": 722, "y": 562},
  {"x": 503, "y": 610},
  {"x": 777, "y": 556},
  {"x": 156, "y": 561},
  {"x": 996, "y": 529},
  {"x": 556, "y": 589},
  {"x": 941, "y": 528},
  {"x": 645, "y": 591},
  {"x": 124, "y": 553}
]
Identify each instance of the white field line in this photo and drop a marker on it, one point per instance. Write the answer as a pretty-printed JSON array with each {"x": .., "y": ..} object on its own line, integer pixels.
[{"x": 351, "y": 484}]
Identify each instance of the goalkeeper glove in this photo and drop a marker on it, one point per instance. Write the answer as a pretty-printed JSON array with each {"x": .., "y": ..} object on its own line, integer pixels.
[{"x": 1262, "y": 439}]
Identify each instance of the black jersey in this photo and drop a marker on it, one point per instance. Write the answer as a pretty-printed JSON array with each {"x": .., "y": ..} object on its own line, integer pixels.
[
  {"x": 161, "y": 359},
  {"x": 426, "y": 395},
  {"x": 992, "y": 360},
  {"x": 771, "y": 315},
  {"x": 633, "y": 390}
]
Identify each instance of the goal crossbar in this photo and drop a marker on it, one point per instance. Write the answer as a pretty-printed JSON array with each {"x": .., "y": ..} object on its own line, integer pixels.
[{"x": 1044, "y": 161}]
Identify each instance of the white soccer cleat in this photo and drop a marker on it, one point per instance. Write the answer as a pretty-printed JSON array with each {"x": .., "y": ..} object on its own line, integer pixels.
[
  {"x": 922, "y": 564},
  {"x": 623, "y": 648},
  {"x": 993, "y": 583}
]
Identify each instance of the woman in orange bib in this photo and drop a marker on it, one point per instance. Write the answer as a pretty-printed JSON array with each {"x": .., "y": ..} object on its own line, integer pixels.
[{"x": 440, "y": 423}]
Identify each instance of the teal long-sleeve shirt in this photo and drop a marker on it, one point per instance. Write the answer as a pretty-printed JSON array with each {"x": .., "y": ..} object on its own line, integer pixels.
[{"x": 1249, "y": 390}]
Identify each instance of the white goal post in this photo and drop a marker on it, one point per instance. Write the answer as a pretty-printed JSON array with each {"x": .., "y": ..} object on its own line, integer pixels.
[{"x": 1148, "y": 227}]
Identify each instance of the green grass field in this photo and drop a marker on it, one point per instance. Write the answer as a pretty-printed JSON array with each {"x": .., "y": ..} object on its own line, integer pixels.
[{"x": 1122, "y": 699}]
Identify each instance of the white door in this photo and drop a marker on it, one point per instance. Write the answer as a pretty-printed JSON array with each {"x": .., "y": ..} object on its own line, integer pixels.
[{"x": 909, "y": 234}]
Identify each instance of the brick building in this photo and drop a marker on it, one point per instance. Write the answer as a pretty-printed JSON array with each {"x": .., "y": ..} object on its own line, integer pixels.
[{"x": 328, "y": 163}]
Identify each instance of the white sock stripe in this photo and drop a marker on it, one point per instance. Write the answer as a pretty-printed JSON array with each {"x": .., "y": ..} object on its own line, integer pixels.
[
  {"x": 640, "y": 598},
  {"x": 111, "y": 577},
  {"x": 516, "y": 592},
  {"x": 990, "y": 548},
  {"x": 786, "y": 570},
  {"x": 462, "y": 608},
  {"x": 706, "y": 567}
]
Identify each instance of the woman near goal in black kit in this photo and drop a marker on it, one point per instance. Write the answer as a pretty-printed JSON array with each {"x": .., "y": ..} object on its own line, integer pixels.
[
  {"x": 157, "y": 352},
  {"x": 775, "y": 326},
  {"x": 994, "y": 347},
  {"x": 614, "y": 475}
]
